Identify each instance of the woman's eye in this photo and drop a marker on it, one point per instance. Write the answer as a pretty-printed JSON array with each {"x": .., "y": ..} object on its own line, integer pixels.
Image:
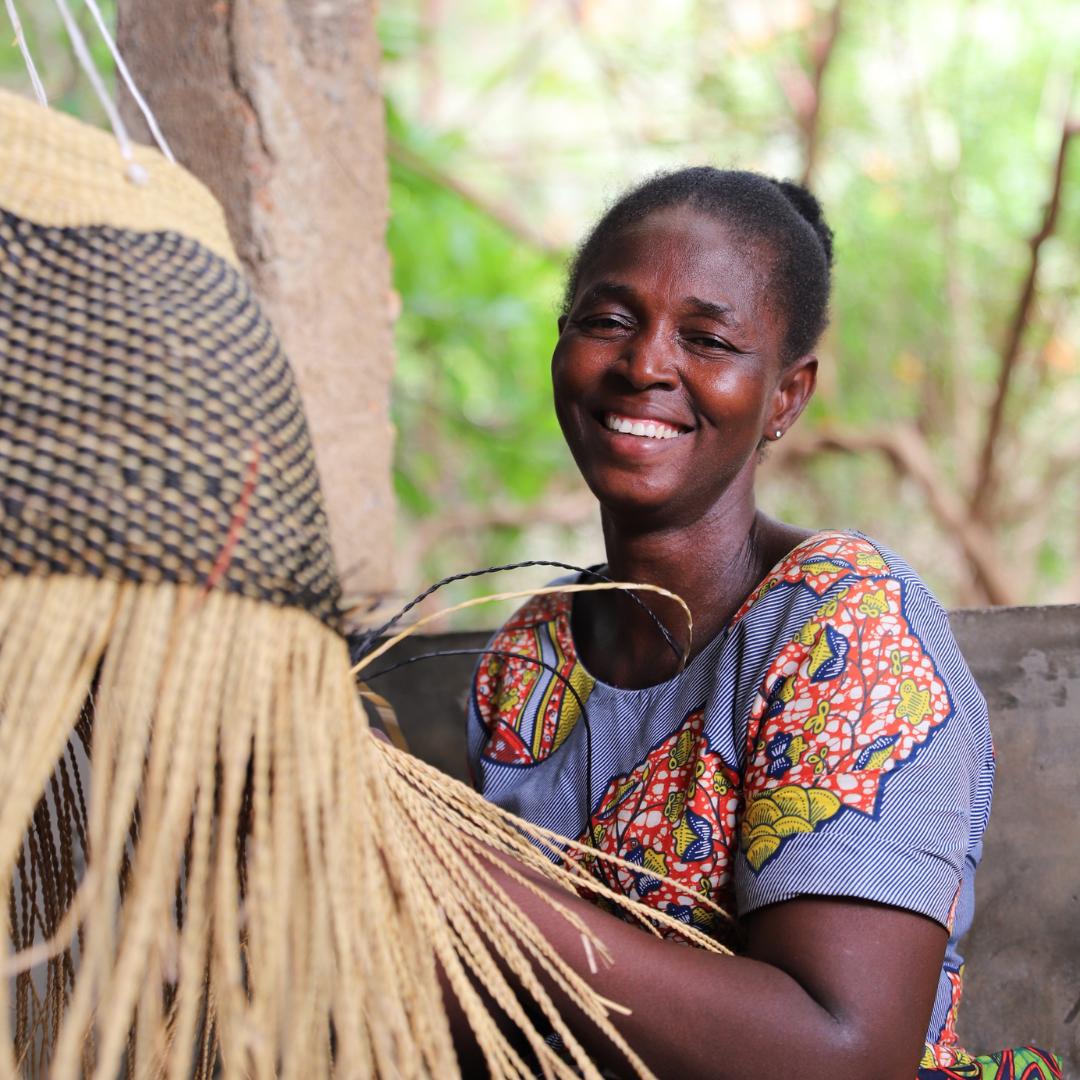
[
  {"x": 706, "y": 341},
  {"x": 602, "y": 324}
]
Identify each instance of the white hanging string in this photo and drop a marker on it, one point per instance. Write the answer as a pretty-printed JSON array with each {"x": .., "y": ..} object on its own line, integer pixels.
[
  {"x": 20, "y": 38},
  {"x": 135, "y": 172},
  {"x": 129, "y": 82}
]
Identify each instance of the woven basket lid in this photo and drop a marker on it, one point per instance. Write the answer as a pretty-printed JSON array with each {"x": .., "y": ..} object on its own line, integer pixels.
[{"x": 150, "y": 426}]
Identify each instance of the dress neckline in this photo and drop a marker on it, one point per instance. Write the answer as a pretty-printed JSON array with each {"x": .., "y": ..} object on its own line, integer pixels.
[{"x": 566, "y": 608}]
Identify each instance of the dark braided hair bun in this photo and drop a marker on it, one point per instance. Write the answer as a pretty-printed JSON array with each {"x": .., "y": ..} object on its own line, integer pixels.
[
  {"x": 779, "y": 219},
  {"x": 806, "y": 203}
]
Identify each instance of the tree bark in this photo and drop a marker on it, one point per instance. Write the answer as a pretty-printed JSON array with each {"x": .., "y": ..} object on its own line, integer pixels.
[
  {"x": 983, "y": 494},
  {"x": 276, "y": 107}
]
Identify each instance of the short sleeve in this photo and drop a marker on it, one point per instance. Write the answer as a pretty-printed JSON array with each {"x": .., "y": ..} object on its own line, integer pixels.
[
  {"x": 527, "y": 689},
  {"x": 860, "y": 771}
]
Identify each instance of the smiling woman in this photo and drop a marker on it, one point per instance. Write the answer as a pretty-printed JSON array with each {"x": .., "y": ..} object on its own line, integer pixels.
[
  {"x": 673, "y": 325},
  {"x": 820, "y": 761}
]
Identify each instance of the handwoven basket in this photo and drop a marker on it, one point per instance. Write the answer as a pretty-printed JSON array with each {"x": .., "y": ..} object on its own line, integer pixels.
[{"x": 213, "y": 868}]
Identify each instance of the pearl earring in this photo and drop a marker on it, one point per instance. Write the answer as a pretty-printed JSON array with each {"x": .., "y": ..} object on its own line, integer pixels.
[{"x": 779, "y": 433}]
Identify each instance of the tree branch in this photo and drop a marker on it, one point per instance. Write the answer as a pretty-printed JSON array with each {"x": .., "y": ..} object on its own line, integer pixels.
[
  {"x": 908, "y": 453},
  {"x": 821, "y": 54},
  {"x": 566, "y": 508},
  {"x": 803, "y": 88},
  {"x": 506, "y": 216},
  {"x": 431, "y": 18},
  {"x": 982, "y": 494}
]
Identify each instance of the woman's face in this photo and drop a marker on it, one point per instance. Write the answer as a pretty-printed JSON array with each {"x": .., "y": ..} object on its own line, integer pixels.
[{"x": 667, "y": 373}]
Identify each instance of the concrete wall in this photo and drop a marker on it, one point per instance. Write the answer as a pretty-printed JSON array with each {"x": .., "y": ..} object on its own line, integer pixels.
[{"x": 1023, "y": 954}]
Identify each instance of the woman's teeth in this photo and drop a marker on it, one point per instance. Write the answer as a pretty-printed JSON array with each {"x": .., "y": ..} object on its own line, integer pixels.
[{"x": 647, "y": 429}]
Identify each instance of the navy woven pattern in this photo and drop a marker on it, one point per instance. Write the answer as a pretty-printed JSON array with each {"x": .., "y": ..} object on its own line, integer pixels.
[{"x": 150, "y": 427}]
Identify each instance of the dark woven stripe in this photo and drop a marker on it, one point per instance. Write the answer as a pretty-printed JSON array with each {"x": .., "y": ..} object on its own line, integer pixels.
[{"x": 139, "y": 382}]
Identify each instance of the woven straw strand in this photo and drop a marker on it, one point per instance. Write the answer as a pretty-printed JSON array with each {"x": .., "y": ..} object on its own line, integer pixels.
[
  {"x": 257, "y": 865},
  {"x": 58, "y": 171}
]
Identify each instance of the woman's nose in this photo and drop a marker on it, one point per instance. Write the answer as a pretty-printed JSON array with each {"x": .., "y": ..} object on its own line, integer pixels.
[{"x": 649, "y": 360}]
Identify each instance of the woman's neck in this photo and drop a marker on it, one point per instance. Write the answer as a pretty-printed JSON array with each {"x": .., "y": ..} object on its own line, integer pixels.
[{"x": 713, "y": 564}]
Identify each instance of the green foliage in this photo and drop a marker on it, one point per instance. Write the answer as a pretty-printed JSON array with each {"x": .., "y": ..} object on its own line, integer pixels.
[
  {"x": 472, "y": 397},
  {"x": 938, "y": 128},
  {"x": 512, "y": 124},
  {"x": 65, "y": 83}
]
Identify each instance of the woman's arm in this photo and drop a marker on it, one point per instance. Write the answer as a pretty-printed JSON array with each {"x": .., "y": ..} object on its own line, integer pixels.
[
  {"x": 865, "y": 776},
  {"x": 828, "y": 988}
]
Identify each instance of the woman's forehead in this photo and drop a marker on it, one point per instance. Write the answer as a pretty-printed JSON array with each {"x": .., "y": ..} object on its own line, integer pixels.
[{"x": 683, "y": 249}]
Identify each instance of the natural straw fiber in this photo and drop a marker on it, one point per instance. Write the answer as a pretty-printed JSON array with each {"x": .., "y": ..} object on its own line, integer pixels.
[
  {"x": 55, "y": 170},
  {"x": 213, "y": 868}
]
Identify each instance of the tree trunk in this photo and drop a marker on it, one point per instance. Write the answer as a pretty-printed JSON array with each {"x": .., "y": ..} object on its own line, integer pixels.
[{"x": 277, "y": 108}]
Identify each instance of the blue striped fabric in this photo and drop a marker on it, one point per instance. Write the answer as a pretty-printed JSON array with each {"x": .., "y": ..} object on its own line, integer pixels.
[{"x": 830, "y": 742}]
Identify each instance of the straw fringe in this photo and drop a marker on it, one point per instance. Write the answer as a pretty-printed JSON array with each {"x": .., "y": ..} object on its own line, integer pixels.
[{"x": 246, "y": 882}]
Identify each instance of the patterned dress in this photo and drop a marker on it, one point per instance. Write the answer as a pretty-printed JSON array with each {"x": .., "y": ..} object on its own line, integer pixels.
[{"x": 830, "y": 742}]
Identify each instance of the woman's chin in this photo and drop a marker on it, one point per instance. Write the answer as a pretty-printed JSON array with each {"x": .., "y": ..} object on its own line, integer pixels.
[{"x": 635, "y": 501}]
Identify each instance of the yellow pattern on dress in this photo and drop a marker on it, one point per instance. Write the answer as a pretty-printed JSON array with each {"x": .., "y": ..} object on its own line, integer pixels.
[
  {"x": 914, "y": 703},
  {"x": 655, "y": 862},
  {"x": 779, "y": 813},
  {"x": 874, "y": 604},
  {"x": 821, "y": 566},
  {"x": 820, "y": 652},
  {"x": 568, "y": 709},
  {"x": 673, "y": 808},
  {"x": 680, "y": 753}
]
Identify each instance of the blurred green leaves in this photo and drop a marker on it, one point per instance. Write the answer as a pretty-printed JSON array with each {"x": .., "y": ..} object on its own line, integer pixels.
[
  {"x": 510, "y": 126},
  {"x": 471, "y": 398},
  {"x": 937, "y": 129}
]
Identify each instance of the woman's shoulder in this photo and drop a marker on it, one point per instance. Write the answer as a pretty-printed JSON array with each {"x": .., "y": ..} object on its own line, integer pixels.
[
  {"x": 544, "y": 607},
  {"x": 829, "y": 561},
  {"x": 866, "y": 721}
]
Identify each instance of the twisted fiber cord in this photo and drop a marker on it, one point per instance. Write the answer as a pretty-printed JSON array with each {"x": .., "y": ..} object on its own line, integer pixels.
[
  {"x": 573, "y": 877},
  {"x": 191, "y": 949},
  {"x": 182, "y": 774},
  {"x": 35, "y": 908},
  {"x": 159, "y": 693},
  {"x": 115, "y": 967},
  {"x": 462, "y": 947},
  {"x": 28, "y": 1006},
  {"x": 318, "y": 813},
  {"x": 484, "y": 828},
  {"x": 480, "y": 918},
  {"x": 42, "y": 848},
  {"x": 129, "y": 82},
  {"x": 47, "y": 884},
  {"x": 28, "y": 59},
  {"x": 421, "y": 1000},
  {"x": 125, "y": 707},
  {"x": 56, "y": 634},
  {"x": 205, "y": 1066}
]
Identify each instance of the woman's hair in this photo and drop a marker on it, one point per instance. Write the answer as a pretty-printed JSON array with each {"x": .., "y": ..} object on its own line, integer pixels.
[{"x": 779, "y": 214}]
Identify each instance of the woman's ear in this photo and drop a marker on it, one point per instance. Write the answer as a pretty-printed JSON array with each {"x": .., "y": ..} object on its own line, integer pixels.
[{"x": 793, "y": 391}]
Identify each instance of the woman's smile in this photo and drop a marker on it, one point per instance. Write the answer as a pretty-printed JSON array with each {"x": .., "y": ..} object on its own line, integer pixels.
[{"x": 641, "y": 428}]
